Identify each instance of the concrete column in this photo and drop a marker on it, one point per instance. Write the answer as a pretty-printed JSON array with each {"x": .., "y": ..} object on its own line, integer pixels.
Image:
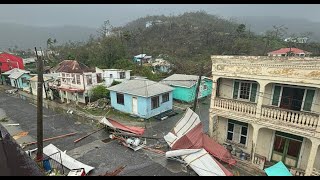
[
  {"x": 255, "y": 134},
  {"x": 77, "y": 98},
  {"x": 68, "y": 101},
  {"x": 260, "y": 96},
  {"x": 212, "y": 115},
  {"x": 312, "y": 156},
  {"x": 61, "y": 96}
]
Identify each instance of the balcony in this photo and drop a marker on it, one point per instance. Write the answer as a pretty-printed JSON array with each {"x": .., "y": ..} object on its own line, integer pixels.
[{"x": 297, "y": 121}]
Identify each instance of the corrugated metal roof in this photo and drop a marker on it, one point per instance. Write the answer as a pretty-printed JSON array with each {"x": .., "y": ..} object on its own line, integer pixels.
[
  {"x": 16, "y": 75},
  {"x": 71, "y": 66},
  {"x": 286, "y": 50},
  {"x": 141, "y": 87},
  {"x": 15, "y": 70},
  {"x": 182, "y": 80}
]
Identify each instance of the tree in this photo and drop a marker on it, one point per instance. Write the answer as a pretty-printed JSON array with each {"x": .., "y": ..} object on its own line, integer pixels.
[{"x": 99, "y": 92}]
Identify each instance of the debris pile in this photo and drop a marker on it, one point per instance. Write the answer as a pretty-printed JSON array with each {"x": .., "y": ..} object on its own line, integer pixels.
[{"x": 103, "y": 103}]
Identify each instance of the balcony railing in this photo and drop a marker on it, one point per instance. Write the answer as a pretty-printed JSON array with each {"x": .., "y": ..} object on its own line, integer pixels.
[
  {"x": 297, "y": 119},
  {"x": 277, "y": 116},
  {"x": 236, "y": 106}
]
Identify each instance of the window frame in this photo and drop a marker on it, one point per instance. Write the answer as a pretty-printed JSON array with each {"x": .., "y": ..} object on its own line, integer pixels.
[
  {"x": 158, "y": 102},
  {"x": 303, "y": 99},
  {"x": 122, "y": 75},
  {"x": 241, "y": 124},
  {"x": 239, "y": 90},
  {"x": 119, "y": 96},
  {"x": 167, "y": 95}
]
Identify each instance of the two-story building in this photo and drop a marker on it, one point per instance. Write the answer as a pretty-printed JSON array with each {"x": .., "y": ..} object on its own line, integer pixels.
[
  {"x": 110, "y": 75},
  {"x": 76, "y": 80},
  {"x": 269, "y": 108}
]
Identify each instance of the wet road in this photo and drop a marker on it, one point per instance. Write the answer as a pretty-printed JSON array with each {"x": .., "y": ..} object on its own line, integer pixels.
[{"x": 92, "y": 150}]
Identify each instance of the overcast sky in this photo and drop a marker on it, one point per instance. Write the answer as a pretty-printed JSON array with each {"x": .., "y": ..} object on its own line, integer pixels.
[{"x": 93, "y": 15}]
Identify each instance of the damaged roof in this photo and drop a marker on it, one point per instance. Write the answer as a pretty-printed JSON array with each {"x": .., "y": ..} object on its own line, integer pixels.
[{"x": 71, "y": 66}]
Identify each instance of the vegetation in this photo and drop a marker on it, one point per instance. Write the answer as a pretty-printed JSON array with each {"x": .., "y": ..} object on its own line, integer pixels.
[
  {"x": 4, "y": 120},
  {"x": 99, "y": 92},
  {"x": 187, "y": 40},
  {"x": 115, "y": 83}
]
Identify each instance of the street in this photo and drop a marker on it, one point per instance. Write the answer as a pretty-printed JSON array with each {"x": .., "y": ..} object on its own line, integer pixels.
[{"x": 104, "y": 156}]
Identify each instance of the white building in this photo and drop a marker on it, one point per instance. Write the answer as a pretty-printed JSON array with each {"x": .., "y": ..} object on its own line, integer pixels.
[
  {"x": 76, "y": 81},
  {"x": 110, "y": 75},
  {"x": 269, "y": 108}
]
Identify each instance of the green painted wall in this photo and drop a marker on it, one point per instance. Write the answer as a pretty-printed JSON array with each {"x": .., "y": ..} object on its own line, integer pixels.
[{"x": 187, "y": 94}]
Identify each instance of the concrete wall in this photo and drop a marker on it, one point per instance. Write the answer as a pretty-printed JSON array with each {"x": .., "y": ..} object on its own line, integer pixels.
[
  {"x": 263, "y": 148},
  {"x": 72, "y": 97},
  {"x": 268, "y": 94},
  {"x": 144, "y": 105},
  {"x": 222, "y": 134},
  {"x": 226, "y": 88},
  {"x": 115, "y": 76},
  {"x": 34, "y": 88}
]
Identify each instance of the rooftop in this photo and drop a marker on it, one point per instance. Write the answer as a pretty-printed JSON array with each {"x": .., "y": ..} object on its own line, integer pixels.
[
  {"x": 286, "y": 50},
  {"x": 71, "y": 66},
  {"x": 182, "y": 80},
  {"x": 141, "y": 87}
]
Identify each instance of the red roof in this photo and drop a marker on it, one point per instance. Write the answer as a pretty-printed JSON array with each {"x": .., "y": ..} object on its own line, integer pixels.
[
  {"x": 196, "y": 139},
  {"x": 286, "y": 50},
  {"x": 9, "y": 61},
  {"x": 71, "y": 66}
]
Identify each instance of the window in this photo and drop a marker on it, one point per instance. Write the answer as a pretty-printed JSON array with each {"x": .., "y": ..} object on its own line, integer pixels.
[
  {"x": 120, "y": 98},
  {"x": 63, "y": 74},
  {"x": 24, "y": 80},
  {"x": 155, "y": 102},
  {"x": 165, "y": 97},
  {"x": 122, "y": 75},
  {"x": 237, "y": 132},
  {"x": 89, "y": 80},
  {"x": 73, "y": 78},
  {"x": 78, "y": 79},
  {"x": 205, "y": 87},
  {"x": 245, "y": 90},
  {"x": 111, "y": 75}
]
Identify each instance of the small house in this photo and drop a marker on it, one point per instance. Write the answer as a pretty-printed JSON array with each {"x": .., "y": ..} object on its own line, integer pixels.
[
  {"x": 19, "y": 78},
  {"x": 110, "y": 75},
  {"x": 142, "y": 58},
  {"x": 141, "y": 97},
  {"x": 289, "y": 51},
  {"x": 76, "y": 81},
  {"x": 46, "y": 90},
  {"x": 185, "y": 86}
]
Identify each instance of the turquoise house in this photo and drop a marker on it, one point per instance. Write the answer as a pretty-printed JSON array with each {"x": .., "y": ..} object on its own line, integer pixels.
[
  {"x": 185, "y": 86},
  {"x": 141, "y": 97},
  {"x": 20, "y": 79}
]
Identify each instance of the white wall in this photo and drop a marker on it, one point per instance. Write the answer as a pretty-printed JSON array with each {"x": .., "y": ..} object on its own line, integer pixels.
[
  {"x": 222, "y": 134},
  {"x": 115, "y": 76},
  {"x": 226, "y": 88},
  {"x": 264, "y": 143}
]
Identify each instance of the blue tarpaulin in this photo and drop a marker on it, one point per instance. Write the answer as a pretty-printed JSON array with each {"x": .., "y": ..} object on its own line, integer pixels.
[{"x": 278, "y": 169}]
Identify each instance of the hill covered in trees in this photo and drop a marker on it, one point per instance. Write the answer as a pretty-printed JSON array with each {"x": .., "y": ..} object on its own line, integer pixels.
[{"x": 186, "y": 39}]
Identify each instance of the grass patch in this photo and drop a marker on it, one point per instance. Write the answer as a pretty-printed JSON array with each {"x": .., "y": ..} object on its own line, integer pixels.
[
  {"x": 96, "y": 112},
  {"x": 4, "y": 120},
  {"x": 124, "y": 116}
]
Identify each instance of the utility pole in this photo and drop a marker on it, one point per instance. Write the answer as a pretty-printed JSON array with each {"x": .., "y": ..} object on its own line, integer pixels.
[
  {"x": 197, "y": 88},
  {"x": 39, "y": 108},
  {"x": 1, "y": 75}
]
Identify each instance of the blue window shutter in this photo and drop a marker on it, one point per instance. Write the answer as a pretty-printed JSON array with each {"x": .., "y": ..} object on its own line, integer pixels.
[
  {"x": 253, "y": 92},
  {"x": 308, "y": 100},
  {"x": 235, "y": 90},
  {"x": 276, "y": 95}
]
